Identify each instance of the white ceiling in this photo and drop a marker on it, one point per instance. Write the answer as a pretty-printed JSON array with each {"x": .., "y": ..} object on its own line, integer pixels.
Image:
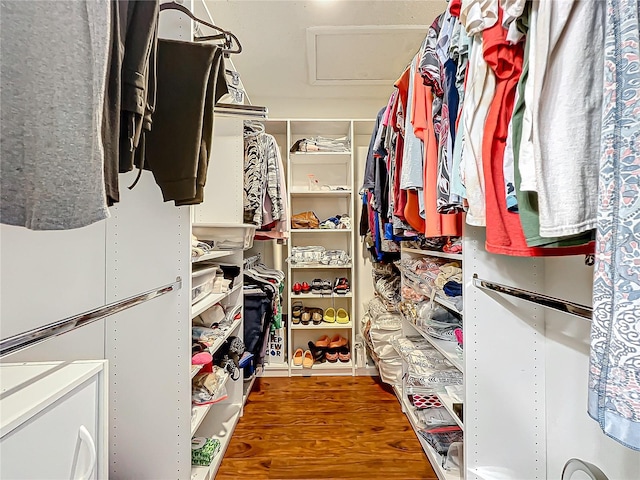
[{"x": 345, "y": 65}]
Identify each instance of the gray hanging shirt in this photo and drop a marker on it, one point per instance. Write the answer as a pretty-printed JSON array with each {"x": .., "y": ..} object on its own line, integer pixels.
[{"x": 52, "y": 81}]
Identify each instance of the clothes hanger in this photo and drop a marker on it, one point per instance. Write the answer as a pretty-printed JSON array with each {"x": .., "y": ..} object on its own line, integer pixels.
[
  {"x": 253, "y": 129},
  {"x": 228, "y": 37}
]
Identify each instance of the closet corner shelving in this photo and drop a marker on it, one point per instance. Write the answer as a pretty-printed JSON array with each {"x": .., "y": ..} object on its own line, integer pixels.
[
  {"x": 449, "y": 351},
  {"x": 334, "y": 173}
]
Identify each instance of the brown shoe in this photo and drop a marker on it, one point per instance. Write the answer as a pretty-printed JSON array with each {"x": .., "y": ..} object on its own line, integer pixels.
[
  {"x": 323, "y": 342},
  {"x": 337, "y": 341}
]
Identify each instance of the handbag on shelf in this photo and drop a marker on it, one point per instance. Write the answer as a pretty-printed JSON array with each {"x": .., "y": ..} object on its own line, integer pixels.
[{"x": 306, "y": 220}]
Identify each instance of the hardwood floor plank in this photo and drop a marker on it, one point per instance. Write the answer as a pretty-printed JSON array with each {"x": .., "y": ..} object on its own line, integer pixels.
[{"x": 324, "y": 428}]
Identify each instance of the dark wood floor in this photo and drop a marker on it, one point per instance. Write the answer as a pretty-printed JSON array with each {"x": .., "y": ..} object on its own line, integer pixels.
[{"x": 324, "y": 428}]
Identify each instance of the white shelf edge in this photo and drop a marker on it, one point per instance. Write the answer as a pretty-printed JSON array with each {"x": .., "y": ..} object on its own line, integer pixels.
[
  {"x": 447, "y": 304},
  {"x": 323, "y": 325},
  {"x": 212, "y": 255},
  {"x": 294, "y": 154},
  {"x": 225, "y": 225},
  {"x": 245, "y": 395},
  {"x": 194, "y": 371},
  {"x": 321, "y": 230},
  {"x": 321, "y": 267},
  {"x": 201, "y": 412},
  {"x": 209, "y": 473},
  {"x": 444, "y": 347},
  {"x": 324, "y": 366},
  {"x": 210, "y": 300},
  {"x": 433, "y": 253},
  {"x": 320, "y": 193},
  {"x": 301, "y": 296},
  {"x": 448, "y": 405}
]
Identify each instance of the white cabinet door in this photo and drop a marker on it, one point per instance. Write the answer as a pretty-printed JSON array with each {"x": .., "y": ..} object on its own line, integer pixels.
[{"x": 60, "y": 437}]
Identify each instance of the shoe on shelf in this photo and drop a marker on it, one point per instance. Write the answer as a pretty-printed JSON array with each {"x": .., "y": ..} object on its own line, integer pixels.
[
  {"x": 342, "y": 286},
  {"x": 330, "y": 315},
  {"x": 297, "y": 308},
  {"x": 305, "y": 317},
  {"x": 323, "y": 342},
  {"x": 345, "y": 223},
  {"x": 297, "y": 357},
  {"x": 327, "y": 288},
  {"x": 305, "y": 287},
  {"x": 317, "y": 352},
  {"x": 307, "y": 360},
  {"x": 338, "y": 341},
  {"x": 316, "y": 315},
  {"x": 342, "y": 316},
  {"x": 332, "y": 355},
  {"x": 297, "y": 288},
  {"x": 316, "y": 286},
  {"x": 344, "y": 354}
]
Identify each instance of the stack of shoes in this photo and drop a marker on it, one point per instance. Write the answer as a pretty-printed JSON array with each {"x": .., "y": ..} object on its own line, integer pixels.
[{"x": 330, "y": 349}]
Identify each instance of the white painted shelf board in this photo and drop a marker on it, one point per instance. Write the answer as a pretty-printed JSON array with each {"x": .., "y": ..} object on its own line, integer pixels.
[
  {"x": 220, "y": 341},
  {"x": 202, "y": 410},
  {"x": 246, "y": 388},
  {"x": 322, "y": 326},
  {"x": 321, "y": 267},
  {"x": 433, "y": 253},
  {"x": 210, "y": 300},
  {"x": 324, "y": 366},
  {"x": 229, "y": 425},
  {"x": 320, "y": 193},
  {"x": 212, "y": 255},
  {"x": 320, "y": 230},
  {"x": 225, "y": 225},
  {"x": 302, "y": 296},
  {"x": 448, "y": 349},
  {"x": 195, "y": 369},
  {"x": 447, "y": 304},
  {"x": 448, "y": 404},
  {"x": 434, "y": 459},
  {"x": 295, "y": 154}
]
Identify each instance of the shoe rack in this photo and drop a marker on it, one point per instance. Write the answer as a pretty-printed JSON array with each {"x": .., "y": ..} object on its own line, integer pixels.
[{"x": 313, "y": 180}]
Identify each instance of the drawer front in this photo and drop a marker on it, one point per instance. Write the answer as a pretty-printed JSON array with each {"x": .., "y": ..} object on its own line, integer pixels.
[{"x": 50, "y": 445}]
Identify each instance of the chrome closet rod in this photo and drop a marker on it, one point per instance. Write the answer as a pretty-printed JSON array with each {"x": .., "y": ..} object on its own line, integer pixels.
[
  {"x": 565, "y": 306},
  {"x": 38, "y": 335}
]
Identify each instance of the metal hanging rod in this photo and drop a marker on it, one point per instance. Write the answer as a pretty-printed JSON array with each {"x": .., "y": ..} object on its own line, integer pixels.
[
  {"x": 581, "y": 311},
  {"x": 38, "y": 335}
]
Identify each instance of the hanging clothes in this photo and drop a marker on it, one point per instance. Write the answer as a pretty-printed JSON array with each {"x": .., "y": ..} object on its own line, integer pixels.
[
  {"x": 614, "y": 380},
  {"x": 54, "y": 65}
]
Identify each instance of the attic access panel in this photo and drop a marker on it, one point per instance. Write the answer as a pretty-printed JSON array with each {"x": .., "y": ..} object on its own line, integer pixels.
[{"x": 361, "y": 55}]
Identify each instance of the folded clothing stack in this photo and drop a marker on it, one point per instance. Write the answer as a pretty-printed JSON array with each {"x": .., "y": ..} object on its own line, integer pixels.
[{"x": 322, "y": 144}]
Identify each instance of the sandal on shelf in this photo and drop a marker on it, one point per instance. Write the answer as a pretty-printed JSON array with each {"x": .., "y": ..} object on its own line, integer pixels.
[
  {"x": 332, "y": 355},
  {"x": 297, "y": 309},
  {"x": 297, "y": 357},
  {"x": 344, "y": 354},
  {"x": 316, "y": 286},
  {"x": 342, "y": 286},
  {"x": 342, "y": 316},
  {"x": 330, "y": 315},
  {"x": 307, "y": 360},
  {"x": 306, "y": 316},
  {"x": 338, "y": 341},
  {"x": 327, "y": 287},
  {"x": 316, "y": 315}
]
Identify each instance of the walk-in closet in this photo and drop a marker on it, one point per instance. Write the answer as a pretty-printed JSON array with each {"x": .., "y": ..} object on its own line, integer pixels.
[{"x": 319, "y": 239}]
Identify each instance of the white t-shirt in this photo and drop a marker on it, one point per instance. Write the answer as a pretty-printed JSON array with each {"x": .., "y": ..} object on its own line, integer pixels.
[{"x": 566, "y": 127}]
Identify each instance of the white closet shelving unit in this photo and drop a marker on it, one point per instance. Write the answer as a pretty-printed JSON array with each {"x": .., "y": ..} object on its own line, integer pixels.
[
  {"x": 449, "y": 351},
  {"x": 331, "y": 170}
]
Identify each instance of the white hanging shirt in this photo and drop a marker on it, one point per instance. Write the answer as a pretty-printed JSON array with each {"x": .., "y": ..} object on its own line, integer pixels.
[{"x": 566, "y": 127}]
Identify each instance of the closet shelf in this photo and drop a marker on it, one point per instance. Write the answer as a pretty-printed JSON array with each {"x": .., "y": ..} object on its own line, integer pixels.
[
  {"x": 212, "y": 255},
  {"x": 434, "y": 458},
  {"x": 321, "y": 230},
  {"x": 321, "y": 193},
  {"x": 447, "y": 304},
  {"x": 210, "y": 300},
  {"x": 448, "y": 404},
  {"x": 232, "y": 413},
  {"x": 302, "y": 296},
  {"x": 318, "y": 153},
  {"x": 220, "y": 341},
  {"x": 322, "y": 326},
  {"x": 327, "y": 366},
  {"x": 433, "y": 253},
  {"x": 195, "y": 369},
  {"x": 448, "y": 349},
  {"x": 201, "y": 411},
  {"x": 248, "y": 385},
  {"x": 319, "y": 267}
]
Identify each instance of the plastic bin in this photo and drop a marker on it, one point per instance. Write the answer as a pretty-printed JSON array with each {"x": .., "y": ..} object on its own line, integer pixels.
[
  {"x": 202, "y": 283},
  {"x": 227, "y": 237}
]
